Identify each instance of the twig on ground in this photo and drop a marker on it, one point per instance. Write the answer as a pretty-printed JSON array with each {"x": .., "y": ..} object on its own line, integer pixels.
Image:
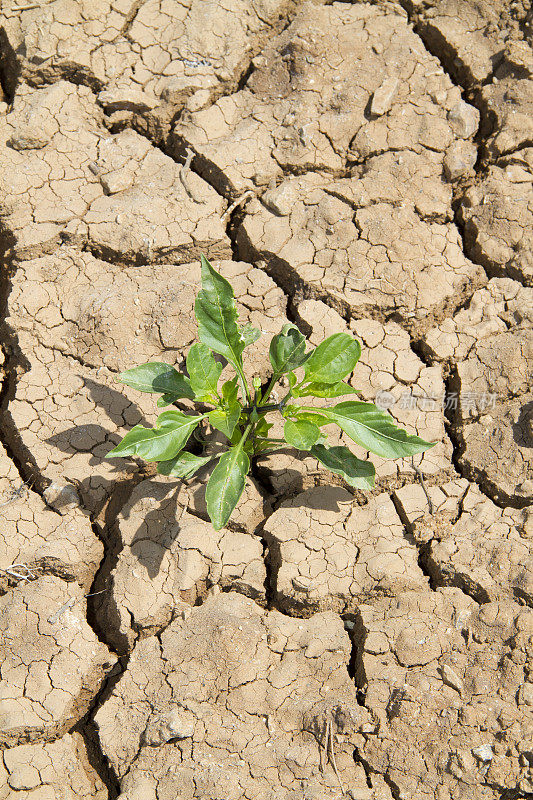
[
  {"x": 65, "y": 607},
  {"x": 20, "y": 491},
  {"x": 69, "y": 603},
  {"x": 92, "y": 594},
  {"x": 330, "y": 754},
  {"x": 184, "y": 171},
  {"x": 238, "y": 202},
  {"x": 326, "y": 737},
  {"x": 333, "y": 759},
  {"x": 12, "y": 572}
]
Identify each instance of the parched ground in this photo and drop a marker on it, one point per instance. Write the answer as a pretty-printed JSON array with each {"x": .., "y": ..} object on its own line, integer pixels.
[{"x": 352, "y": 166}]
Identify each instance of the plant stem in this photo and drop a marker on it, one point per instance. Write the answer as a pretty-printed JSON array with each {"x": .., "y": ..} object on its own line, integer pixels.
[
  {"x": 243, "y": 438},
  {"x": 284, "y": 400},
  {"x": 269, "y": 388},
  {"x": 269, "y": 406},
  {"x": 244, "y": 386},
  {"x": 263, "y": 409}
]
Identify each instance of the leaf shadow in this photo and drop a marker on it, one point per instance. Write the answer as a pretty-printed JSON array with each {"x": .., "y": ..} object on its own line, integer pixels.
[
  {"x": 326, "y": 497},
  {"x": 95, "y": 440},
  {"x": 159, "y": 527},
  {"x": 298, "y": 483},
  {"x": 84, "y": 438}
]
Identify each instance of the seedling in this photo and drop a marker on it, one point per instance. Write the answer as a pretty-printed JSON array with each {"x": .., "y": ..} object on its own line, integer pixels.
[{"x": 241, "y": 412}]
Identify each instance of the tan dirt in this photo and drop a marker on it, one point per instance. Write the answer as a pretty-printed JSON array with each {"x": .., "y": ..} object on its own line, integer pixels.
[{"x": 360, "y": 167}]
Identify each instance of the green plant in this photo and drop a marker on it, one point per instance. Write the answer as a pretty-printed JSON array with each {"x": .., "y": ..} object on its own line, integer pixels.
[{"x": 243, "y": 420}]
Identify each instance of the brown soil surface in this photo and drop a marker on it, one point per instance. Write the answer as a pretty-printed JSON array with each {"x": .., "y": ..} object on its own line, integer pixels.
[{"x": 354, "y": 166}]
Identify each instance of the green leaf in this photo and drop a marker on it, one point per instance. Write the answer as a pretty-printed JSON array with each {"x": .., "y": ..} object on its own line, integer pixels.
[
  {"x": 326, "y": 390},
  {"x": 166, "y": 400},
  {"x": 262, "y": 428},
  {"x": 157, "y": 377},
  {"x": 249, "y": 334},
  {"x": 260, "y": 432},
  {"x": 128, "y": 445},
  {"x": 160, "y": 443},
  {"x": 226, "y": 485},
  {"x": 216, "y": 313},
  {"x": 230, "y": 391},
  {"x": 341, "y": 461},
  {"x": 333, "y": 359},
  {"x": 184, "y": 465},
  {"x": 225, "y": 420},
  {"x": 301, "y": 434},
  {"x": 302, "y": 414},
  {"x": 204, "y": 372},
  {"x": 236, "y": 437},
  {"x": 374, "y": 429},
  {"x": 287, "y": 349},
  {"x": 248, "y": 447}
]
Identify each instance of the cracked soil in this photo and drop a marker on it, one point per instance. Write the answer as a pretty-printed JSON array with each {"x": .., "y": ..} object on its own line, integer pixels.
[{"x": 352, "y": 166}]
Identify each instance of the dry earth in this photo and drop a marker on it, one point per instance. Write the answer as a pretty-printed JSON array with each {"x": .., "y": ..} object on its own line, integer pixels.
[{"x": 348, "y": 166}]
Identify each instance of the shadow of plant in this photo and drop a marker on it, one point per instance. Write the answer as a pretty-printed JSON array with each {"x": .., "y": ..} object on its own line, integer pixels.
[{"x": 96, "y": 440}]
